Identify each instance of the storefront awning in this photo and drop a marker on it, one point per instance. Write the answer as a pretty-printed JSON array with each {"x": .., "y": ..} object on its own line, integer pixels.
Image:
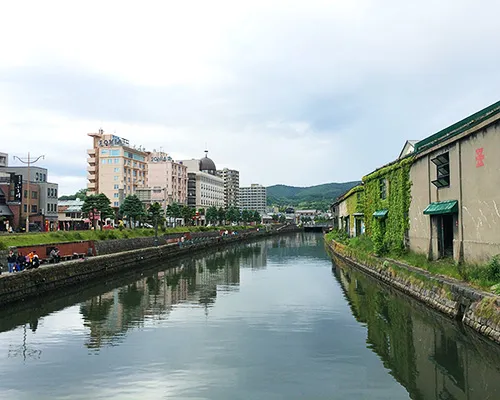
[
  {"x": 5, "y": 210},
  {"x": 442, "y": 207},
  {"x": 380, "y": 213}
]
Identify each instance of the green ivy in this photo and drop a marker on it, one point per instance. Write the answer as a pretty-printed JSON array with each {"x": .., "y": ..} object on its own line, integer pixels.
[
  {"x": 354, "y": 204},
  {"x": 388, "y": 234}
]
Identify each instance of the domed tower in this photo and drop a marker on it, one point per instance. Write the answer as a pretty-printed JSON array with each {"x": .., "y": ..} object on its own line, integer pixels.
[{"x": 207, "y": 165}]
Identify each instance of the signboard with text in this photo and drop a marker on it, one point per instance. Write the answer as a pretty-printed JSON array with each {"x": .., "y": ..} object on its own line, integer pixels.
[
  {"x": 114, "y": 141},
  {"x": 16, "y": 185}
]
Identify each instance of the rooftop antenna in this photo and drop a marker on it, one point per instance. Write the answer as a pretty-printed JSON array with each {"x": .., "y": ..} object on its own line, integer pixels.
[{"x": 206, "y": 151}]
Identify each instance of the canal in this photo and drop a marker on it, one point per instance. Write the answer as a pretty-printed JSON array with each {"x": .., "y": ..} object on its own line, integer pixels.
[{"x": 273, "y": 319}]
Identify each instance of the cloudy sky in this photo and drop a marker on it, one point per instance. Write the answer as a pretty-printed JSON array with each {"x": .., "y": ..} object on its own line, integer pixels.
[{"x": 293, "y": 92}]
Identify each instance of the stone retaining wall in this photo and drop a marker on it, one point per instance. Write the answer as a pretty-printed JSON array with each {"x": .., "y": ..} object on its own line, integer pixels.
[
  {"x": 475, "y": 308},
  {"x": 31, "y": 283}
]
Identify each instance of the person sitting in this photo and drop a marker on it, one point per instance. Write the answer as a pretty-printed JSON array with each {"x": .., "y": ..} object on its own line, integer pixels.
[{"x": 35, "y": 260}]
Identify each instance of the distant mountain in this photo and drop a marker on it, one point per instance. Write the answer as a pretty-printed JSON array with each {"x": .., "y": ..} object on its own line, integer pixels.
[{"x": 317, "y": 197}]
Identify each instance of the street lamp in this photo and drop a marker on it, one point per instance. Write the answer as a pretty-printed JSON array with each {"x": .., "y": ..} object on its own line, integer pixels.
[{"x": 28, "y": 161}]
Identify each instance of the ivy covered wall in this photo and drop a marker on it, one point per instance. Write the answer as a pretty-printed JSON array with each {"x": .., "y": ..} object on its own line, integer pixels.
[
  {"x": 388, "y": 234},
  {"x": 354, "y": 200}
]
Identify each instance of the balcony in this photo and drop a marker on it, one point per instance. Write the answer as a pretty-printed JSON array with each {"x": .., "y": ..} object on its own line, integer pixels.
[
  {"x": 91, "y": 186},
  {"x": 91, "y": 152},
  {"x": 91, "y": 160},
  {"x": 91, "y": 168},
  {"x": 91, "y": 177}
]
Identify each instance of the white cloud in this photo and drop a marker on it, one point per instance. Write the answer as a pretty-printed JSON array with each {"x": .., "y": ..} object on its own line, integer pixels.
[{"x": 289, "y": 92}]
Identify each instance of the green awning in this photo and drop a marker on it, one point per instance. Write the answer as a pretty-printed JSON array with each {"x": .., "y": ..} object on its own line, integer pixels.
[
  {"x": 380, "y": 213},
  {"x": 442, "y": 207}
]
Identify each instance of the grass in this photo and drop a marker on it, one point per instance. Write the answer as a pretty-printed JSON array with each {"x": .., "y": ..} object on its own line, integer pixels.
[
  {"x": 31, "y": 239},
  {"x": 486, "y": 276}
]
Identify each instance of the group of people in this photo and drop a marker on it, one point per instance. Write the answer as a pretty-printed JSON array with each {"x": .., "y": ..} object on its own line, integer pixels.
[{"x": 20, "y": 262}]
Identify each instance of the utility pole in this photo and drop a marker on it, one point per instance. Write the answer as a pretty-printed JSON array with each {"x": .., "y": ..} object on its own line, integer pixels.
[{"x": 29, "y": 161}]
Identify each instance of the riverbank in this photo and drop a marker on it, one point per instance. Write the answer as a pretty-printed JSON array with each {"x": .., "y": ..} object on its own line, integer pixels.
[
  {"x": 33, "y": 239},
  {"x": 32, "y": 283},
  {"x": 475, "y": 308}
]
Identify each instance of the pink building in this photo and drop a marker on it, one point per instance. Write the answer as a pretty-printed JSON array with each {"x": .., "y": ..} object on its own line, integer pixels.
[{"x": 167, "y": 179}]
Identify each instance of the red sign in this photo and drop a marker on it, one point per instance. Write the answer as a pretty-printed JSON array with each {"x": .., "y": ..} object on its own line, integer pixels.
[{"x": 479, "y": 157}]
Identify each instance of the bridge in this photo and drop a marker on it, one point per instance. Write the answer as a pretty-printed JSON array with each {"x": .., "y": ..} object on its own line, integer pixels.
[{"x": 318, "y": 227}]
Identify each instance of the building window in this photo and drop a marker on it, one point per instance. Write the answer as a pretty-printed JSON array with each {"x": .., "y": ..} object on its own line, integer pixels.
[
  {"x": 34, "y": 208},
  {"x": 25, "y": 208},
  {"x": 117, "y": 160},
  {"x": 383, "y": 188},
  {"x": 116, "y": 203},
  {"x": 115, "y": 177},
  {"x": 25, "y": 194},
  {"x": 115, "y": 195},
  {"x": 116, "y": 187},
  {"x": 34, "y": 195},
  {"x": 36, "y": 177},
  {"x": 442, "y": 163},
  {"x": 44, "y": 177},
  {"x": 103, "y": 161},
  {"x": 117, "y": 170}
]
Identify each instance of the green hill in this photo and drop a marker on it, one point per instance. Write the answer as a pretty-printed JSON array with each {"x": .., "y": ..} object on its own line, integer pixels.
[{"x": 314, "y": 197}]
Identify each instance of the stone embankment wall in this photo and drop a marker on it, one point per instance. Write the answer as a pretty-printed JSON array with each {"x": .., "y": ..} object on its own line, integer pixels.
[
  {"x": 475, "y": 308},
  {"x": 113, "y": 259}
]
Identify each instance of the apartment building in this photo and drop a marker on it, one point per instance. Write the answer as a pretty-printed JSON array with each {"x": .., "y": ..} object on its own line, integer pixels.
[
  {"x": 167, "y": 179},
  {"x": 231, "y": 180},
  {"x": 115, "y": 168},
  {"x": 253, "y": 197}
]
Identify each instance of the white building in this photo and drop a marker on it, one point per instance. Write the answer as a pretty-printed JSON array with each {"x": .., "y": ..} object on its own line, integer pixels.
[
  {"x": 204, "y": 188},
  {"x": 231, "y": 179},
  {"x": 253, "y": 198}
]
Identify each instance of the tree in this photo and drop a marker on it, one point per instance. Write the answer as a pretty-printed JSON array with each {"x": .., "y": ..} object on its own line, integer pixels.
[
  {"x": 212, "y": 216},
  {"x": 81, "y": 195},
  {"x": 256, "y": 217},
  {"x": 132, "y": 209},
  {"x": 282, "y": 219},
  {"x": 233, "y": 214},
  {"x": 221, "y": 214},
  {"x": 275, "y": 217},
  {"x": 188, "y": 214},
  {"x": 174, "y": 211},
  {"x": 98, "y": 204},
  {"x": 155, "y": 215},
  {"x": 246, "y": 216}
]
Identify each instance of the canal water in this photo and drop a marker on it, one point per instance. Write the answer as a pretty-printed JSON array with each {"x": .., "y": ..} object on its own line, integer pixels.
[{"x": 274, "y": 319}]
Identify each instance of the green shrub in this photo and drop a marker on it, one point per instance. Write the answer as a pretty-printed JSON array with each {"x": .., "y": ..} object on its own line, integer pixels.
[{"x": 338, "y": 235}]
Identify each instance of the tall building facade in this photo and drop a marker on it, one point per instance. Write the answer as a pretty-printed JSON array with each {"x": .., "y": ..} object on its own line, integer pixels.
[
  {"x": 115, "y": 168},
  {"x": 231, "y": 180},
  {"x": 167, "y": 179},
  {"x": 204, "y": 188},
  {"x": 253, "y": 197}
]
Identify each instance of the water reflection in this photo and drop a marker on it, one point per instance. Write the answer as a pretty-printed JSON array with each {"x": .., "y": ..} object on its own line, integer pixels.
[
  {"x": 427, "y": 353},
  {"x": 193, "y": 283}
]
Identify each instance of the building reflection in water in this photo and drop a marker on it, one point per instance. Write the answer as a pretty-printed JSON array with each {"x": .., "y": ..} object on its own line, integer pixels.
[
  {"x": 427, "y": 353},
  {"x": 193, "y": 282}
]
